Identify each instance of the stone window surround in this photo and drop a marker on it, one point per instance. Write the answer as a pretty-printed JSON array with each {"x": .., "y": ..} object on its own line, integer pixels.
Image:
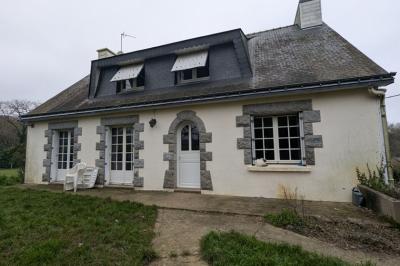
[
  {"x": 138, "y": 145},
  {"x": 53, "y": 127},
  {"x": 170, "y": 177},
  {"x": 310, "y": 116}
]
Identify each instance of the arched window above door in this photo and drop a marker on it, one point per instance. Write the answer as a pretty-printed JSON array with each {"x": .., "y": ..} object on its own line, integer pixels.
[{"x": 190, "y": 140}]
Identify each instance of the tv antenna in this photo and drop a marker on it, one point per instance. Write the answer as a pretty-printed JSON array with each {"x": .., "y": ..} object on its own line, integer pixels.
[{"x": 124, "y": 35}]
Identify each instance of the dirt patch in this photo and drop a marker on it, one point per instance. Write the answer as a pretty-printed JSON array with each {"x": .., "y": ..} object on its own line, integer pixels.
[{"x": 352, "y": 234}]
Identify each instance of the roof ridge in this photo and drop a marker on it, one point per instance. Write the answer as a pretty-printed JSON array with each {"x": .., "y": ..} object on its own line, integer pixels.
[{"x": 251, "y": 35}]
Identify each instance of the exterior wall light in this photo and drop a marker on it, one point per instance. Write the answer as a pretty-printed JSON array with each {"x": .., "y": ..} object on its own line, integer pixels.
[{"x": 152, "y": 122}]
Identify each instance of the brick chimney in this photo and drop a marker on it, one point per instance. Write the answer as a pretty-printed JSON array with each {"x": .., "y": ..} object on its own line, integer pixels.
[
  {"x": 309, "y": 14},
  {"x": 104, "y": 53}
]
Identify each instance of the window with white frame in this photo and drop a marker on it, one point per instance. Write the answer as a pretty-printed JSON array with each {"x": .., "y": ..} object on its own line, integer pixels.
[
  {"x": 191, "y": 75},
  {"x": 191, "y": 67},
  {"x": 278, "y": 139},
  {"x": 129, "y": 78}
]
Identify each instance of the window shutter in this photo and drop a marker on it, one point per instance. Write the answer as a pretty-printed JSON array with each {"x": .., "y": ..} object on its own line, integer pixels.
[
  {"x": 301, "y": 123},
  {"x": 253, "y": 151}
]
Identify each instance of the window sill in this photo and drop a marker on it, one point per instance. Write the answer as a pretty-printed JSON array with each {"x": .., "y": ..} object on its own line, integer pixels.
[{"x": 279, "y": 168}]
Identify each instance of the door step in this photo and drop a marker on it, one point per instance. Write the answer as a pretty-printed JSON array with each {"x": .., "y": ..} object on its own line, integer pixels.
[{"x": 188, "y": 190}]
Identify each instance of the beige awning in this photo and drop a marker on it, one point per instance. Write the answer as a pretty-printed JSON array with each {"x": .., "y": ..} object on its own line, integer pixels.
[
  {"x": 128, "y": 72},
  {"x": 190, "y": 60}
]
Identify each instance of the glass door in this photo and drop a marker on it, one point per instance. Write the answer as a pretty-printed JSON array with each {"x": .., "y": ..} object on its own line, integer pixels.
[{"x": 121, "y": 161}]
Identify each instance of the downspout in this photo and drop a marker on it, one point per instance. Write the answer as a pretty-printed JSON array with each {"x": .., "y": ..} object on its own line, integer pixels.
[{"x": 381, "y": 93}]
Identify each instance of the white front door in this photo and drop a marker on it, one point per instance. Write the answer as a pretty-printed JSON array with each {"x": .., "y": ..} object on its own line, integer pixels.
[
  {"x": 188, "y": 157},
  {"x": 121, "y": 159},
  {"x": 64, "y": 153}
]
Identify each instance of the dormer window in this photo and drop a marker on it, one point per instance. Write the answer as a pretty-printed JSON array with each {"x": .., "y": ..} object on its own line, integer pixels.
[
  {"x": 129, "y": 78},
  {"x": 191, "y": 67}
]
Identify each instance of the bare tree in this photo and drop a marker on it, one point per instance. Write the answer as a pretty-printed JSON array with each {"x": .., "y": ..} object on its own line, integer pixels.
[{"x": 10, "y": 116}]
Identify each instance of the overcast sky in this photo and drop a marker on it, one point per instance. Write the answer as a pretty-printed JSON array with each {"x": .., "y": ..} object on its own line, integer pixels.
[{"x": 47, "y": 45}]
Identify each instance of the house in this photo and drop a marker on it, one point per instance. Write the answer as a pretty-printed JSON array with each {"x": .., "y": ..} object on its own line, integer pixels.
[{"x": 197, "y": 114}]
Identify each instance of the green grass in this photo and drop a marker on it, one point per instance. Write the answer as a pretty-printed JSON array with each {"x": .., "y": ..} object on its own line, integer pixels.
[
  {"x": 236, "y": 249},
  {"x": 44, "y": 228},
  {"x": 9, "y": 172},
  {"x": 9, "y": 177},
  {"x": 284, "y": 218}
]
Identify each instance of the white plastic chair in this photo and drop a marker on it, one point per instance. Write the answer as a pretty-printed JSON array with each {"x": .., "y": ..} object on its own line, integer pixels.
[
  {"x": 88, "y": 179},
  {"x": 71, "y": 178}
]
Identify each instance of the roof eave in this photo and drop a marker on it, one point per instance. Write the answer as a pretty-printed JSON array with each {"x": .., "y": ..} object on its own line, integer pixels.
[{"x": 371, "y": 81}]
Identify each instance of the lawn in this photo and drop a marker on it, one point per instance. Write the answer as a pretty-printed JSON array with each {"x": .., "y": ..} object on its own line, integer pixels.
[
  {"x": 44, "y": 228},
  {"x": 237, "y": 249},
  {"x": 9, "y": 177},
  {"x": 8, "y": 172}
]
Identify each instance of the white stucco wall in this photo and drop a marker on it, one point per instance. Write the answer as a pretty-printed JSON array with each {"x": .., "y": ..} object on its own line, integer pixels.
[
  {"x": 350, "y": 128},
  {"x": 35, "y": 153},
  {"x": 88, "y": 153}
]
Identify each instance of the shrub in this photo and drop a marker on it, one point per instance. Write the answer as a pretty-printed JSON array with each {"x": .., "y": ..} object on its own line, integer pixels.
[
  {"x": 375, "y": 179},
  {"x": 284, "y": 218},
  {"x": 7, "y": 180}
]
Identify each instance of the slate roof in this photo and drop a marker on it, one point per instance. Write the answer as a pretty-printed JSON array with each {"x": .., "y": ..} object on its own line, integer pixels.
[{"x": 281, "y": 58}]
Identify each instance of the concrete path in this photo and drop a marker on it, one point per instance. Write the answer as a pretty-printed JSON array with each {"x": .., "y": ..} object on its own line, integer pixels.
[
  {"x": 218, "y": 204},
  {"x": 183, "y": 218},
  {"x": 179, "y": 232}
]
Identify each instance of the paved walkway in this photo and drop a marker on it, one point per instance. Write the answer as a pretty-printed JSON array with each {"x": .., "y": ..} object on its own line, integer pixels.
[
  {"x": 185, "y": 217},
  {"x": 216, "y": 204}
]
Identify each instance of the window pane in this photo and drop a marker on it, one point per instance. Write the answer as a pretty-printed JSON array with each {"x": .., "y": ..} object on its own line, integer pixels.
[
  {"x": 113, "y": 148},
  {"x": 119, "y": 148},
  {"x": 120, "y": 131},
  {"x": 64, "y": 166},
  {"x": 128, "y": 148},
  {"x": 128, "y": 131},
  {"x": 195, "y": 139},
  {"x": 295, "y": 143},
  {"x": 270, "y": 155},
  {"x": 257, "y": 122},
  {"x": 258, "y": 133},
  {"x": 128, "y": 139},
  {"x": 296, "y": 154},
  {"x": 113, "y": 131},
  {"x": 283, "y": 143},
  {"x": 119, "y": 166},
  {"x": 260, "y": 154},
  {"x": 185, "y": 138},
  {"x": 113, "y": 166},
  {"x": 187, "y": 74},
  {"x": 294, "y": 132},
  {"x": 284, "y": 155},
  {"x": 268, "y": 133},
  {"x": 202, "y": 72},
  {"x": 283, "y": 132},
  {"x": 113, "y": 157},
  {"x": 71, "y": 164},
  {"x": 119, "y": 157},
  {"x": 259, "y": 144},
  {"x": 282, "y": 121},
  {"x": 293, "y": 120},
  {"x": 269, "y": 144},
  {"x": 59, "y": 165},
  {"x": 128, "y": 157},
  {"x": 128, "y": 166},
  {"x": 268, "y": 122},
  {"x": 120, "y": 139}
]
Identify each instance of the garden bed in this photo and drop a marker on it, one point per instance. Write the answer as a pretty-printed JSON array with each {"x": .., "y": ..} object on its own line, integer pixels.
[
  {"x": 381, "y": 203},
  {"x": 367, "y": 235}
]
